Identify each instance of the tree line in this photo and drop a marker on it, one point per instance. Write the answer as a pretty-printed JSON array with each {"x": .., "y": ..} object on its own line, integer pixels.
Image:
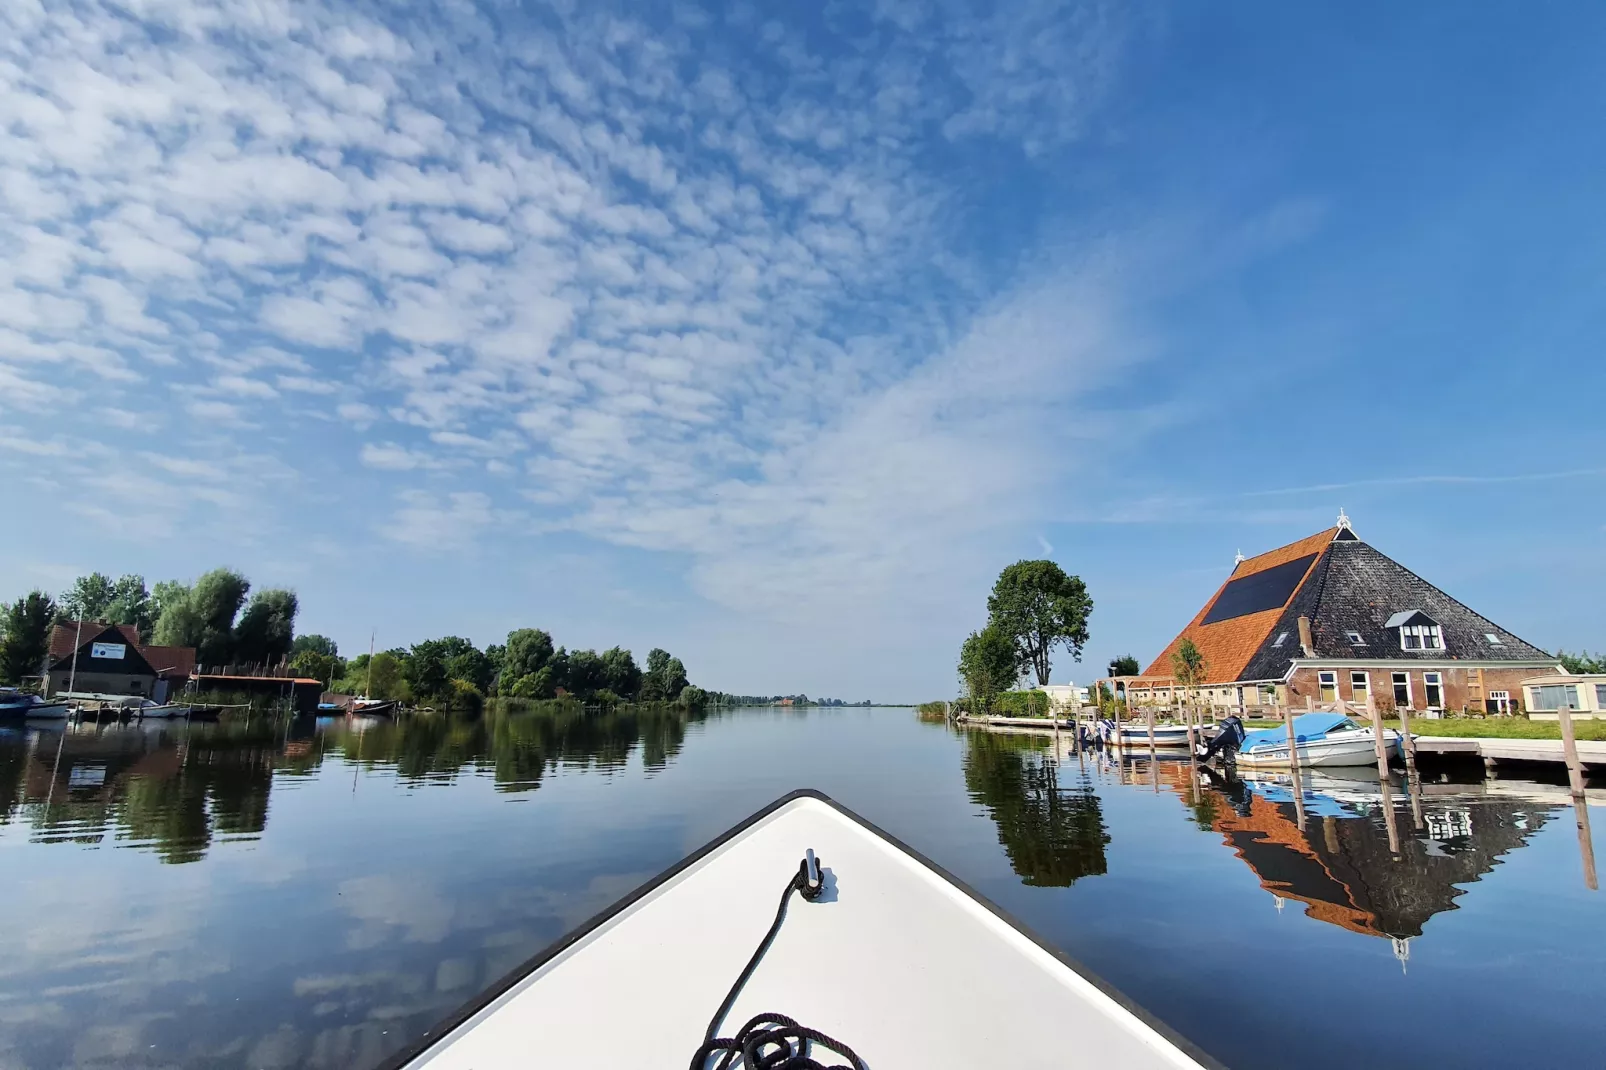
[
  {"x": 212, "y": 615},
  {"x": 1034, "y": 609}
]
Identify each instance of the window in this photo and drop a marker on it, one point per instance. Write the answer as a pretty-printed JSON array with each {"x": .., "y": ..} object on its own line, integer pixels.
[
  {"x": 1402, "y": 690},
  {"x": 1277, "y": 642},
  {"x": 1433, "y": 685},
  {"x": 1359, "y": 686},
  {"x": 1498, "y": 702},
  {"x": 1327, "y": 687},
  {"x": 1600, "y": 696},
  {"x": 1555, "y": 696},
  {"x": 1354, "y": 638},
  {"x": 1421, "y": 637},
  {"x": 1493, "y": 640}
]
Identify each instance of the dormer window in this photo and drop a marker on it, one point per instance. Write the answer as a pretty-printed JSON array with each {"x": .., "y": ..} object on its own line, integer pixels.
[
  {"x": 1417, "y": 630},
  {"x": 1421, "y": 637}
]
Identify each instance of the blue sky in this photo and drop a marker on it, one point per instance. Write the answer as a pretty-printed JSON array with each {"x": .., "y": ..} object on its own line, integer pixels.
[{"x": 769, "y": 340}]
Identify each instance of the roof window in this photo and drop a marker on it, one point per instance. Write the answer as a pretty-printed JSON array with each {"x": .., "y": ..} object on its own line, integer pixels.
[
  {"x": 1277, "y": 642},
  {"x": 1354, "y": 638},
  {"x": 1493, "y": 639}
]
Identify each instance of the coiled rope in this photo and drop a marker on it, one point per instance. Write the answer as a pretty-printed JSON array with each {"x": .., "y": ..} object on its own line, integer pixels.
[{"x": 773, "y": 1041}]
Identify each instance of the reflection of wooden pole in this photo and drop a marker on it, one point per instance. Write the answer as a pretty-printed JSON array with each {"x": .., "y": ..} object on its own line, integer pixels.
[
  {"x": 1299, "y": 795},
  {"x": 1586, "y": 845},
  {"x": 1388, "y": 817},
  {"x": 1330, "y": 833},
  {"x": 1407, "y": 744},
  {"x": 1569, "y": 750},
  {"x": 1413, "y": 788}
]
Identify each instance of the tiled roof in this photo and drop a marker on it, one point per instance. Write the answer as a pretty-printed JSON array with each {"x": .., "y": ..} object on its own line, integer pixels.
[
  {"x": 1356, "y": 588},
  {"x": 61, "y": 636},
  {"x": 1228, "y": 645},
  {"x": 171, "y": 662}
]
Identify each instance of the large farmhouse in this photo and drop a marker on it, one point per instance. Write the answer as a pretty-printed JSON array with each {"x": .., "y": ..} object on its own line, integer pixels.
[{"x": 1329, "y": 618}]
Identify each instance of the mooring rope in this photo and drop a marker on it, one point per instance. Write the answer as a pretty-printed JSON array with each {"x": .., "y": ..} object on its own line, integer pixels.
[{"x": 773, "y": 1041}]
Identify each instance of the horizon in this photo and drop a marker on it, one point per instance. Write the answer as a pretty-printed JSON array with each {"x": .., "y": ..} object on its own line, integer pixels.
[{"x": 770, "y": 341}]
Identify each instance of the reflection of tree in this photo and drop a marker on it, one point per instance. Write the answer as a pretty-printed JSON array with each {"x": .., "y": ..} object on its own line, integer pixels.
[
  {"x": 1052, "y": 835},
  {"x": 176, "y": 787}
]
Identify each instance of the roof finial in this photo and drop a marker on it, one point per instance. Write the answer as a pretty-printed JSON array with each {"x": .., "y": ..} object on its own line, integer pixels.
[
  {"x": 1238, "y": 559},
  {"x": 1343, "y": 520},
  {"x": 1402, "y": 950}
]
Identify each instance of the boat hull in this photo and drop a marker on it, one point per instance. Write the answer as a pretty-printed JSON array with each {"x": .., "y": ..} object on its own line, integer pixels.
[
  {"x": 889, "y": 960},
  {"x": 1164, "y": 736},
  {"x": 1352, "y": 749}
]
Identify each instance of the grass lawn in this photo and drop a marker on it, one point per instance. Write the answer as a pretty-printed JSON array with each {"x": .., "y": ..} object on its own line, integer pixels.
[{"x": 1501, "y": 728}]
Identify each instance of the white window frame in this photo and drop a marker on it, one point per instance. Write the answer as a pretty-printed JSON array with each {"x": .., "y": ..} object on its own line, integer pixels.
[
  {"x": 1501, "y": 700},
  {"x": 1493, "y": 640},
  {"x": 1394, "y": 685},
  {"x": 1282, "y": 637},
  {"x": 1355, "y": 638},
  {"x": 1425, "y": 636},
  {"x": 1600, "y": 696},
  {"x": 1366, "y": 684},
  {"x": 1324, "y": 679},
  {"x": 1431, "y": 680}
]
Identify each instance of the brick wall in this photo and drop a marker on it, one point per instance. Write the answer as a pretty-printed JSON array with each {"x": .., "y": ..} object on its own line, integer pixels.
[{"x": 1461, "y": 687}]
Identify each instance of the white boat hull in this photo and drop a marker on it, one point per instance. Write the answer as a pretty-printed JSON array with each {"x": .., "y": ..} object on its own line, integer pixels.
[
  {"x": 163, "y": 711},
  {"x": 1349, "y": 749},
  {"x": 49, "y": 711},
  {"x": 1164, "y": 736},
  {"x": 897, "y": 960}
]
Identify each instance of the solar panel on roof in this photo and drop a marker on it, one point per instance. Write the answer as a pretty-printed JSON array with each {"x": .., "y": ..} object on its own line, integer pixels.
[{"x": 1267, "y": 589}]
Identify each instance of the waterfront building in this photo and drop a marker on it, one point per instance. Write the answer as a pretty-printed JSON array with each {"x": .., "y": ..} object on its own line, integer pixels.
[
  {"x": 1332, "y": 619},
  {"x": 1583, "y": 693},
  {"x": 111, "y": 660}
]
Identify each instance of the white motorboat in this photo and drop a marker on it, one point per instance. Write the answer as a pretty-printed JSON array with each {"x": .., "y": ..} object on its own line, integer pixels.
[
  {"x": 1136, "y": 734},
  {"x": 882, "y": 950},
  {"x": 21, "y": 704},
  {"x": 149, "y": 708},
  {"x": 1321, "y": 739}
]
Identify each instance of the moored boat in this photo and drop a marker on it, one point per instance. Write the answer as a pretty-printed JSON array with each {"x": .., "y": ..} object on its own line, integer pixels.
[
  {"x": 149, "y": 708},
  {"x": 881, "y": 950},
  {"x": 364, "y": 707},
  {"x": 1165, "y": 735},
  {"x": 15, "y": 703},
  {"x": 1321, "y": 739}
]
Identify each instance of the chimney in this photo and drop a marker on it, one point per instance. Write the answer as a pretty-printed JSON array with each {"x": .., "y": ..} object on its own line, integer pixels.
[{"x": 1305, "y": 642}]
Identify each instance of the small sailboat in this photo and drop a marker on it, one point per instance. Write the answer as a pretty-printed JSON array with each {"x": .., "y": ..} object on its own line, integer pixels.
[
  {"x": 372, "y": 707},
  {"x": 881, "y": 960},
  {"x": 1321, "y": 739}
]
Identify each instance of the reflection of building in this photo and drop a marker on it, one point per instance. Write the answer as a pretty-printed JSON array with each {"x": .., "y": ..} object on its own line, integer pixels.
[
  {"x": 1341, "y": 868},
  {"x": 1331, "y": 619}
]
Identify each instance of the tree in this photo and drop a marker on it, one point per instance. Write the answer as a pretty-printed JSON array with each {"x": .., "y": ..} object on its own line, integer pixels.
[
  {"x": 202, "y": 616},
  {"x": 988, "y": 664},
  {"x": 1039, "y": 607},
  {"x": 312, "y": 665},
  {"x": 1188, "y": 665},
  {"x": 131, "y": 604},
  {"x": 620, "y": 674},
  {"x": 528, "y": 651},
  {"x": 266, "y": 630},
  {"x": 1125, "y": 665},
  {"x": 1581, "y": 662},
  {"x": 665, "y": 677},
  {"x": 435, "y": 663},
  {"x": 87, "y": 598},
  {"x": 318, "y": 644},
  {"x": 25, "y": 636},
  {"x": 179, "y": 623},
  {"x": 586, "y": 674}
]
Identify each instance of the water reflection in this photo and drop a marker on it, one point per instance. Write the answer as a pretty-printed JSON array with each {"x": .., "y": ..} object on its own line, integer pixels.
[
  {"x": 174, "y": 789},
  {"x": 1050, "y": 826}
]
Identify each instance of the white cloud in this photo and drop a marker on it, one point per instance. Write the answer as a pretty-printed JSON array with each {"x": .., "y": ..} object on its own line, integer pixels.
[
  {"x": 391, "y": 457},
  {"x": 430, "y": 522}
]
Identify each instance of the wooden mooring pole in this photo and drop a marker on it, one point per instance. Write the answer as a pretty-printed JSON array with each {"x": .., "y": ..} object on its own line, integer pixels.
[
  {"x": 1293, "y": 768},
  {"x": 1569, "y": 750},
  {"x": 1586, "y": 844}
]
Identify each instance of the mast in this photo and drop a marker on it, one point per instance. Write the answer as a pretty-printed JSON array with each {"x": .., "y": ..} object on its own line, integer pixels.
[
  {"x": 368, "y": 688},
  {"x": 77, "y": 639}
]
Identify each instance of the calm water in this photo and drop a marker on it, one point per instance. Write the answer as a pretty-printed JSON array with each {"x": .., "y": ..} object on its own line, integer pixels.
[{"x": 285, "y": 894}]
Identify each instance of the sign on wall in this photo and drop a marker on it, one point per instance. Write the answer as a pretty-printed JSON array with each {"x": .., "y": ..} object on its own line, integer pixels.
[{"x": 110, "y": 651}]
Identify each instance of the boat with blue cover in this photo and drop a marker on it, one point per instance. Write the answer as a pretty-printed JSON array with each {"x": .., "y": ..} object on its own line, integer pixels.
[{"x": 1321, "y": 739}]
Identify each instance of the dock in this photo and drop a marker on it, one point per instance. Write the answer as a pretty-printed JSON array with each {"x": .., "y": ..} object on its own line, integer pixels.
[{"x": 1590, "y": 752}]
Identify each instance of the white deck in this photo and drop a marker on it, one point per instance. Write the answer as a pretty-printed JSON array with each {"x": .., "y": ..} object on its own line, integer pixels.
[{"x": 899, "y": 964}]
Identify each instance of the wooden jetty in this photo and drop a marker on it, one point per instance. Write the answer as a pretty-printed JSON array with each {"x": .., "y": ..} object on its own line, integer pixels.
[{"x": 1512, "y": 750}]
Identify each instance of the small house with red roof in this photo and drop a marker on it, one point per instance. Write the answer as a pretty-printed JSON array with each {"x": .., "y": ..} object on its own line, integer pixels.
[
  {"x": 109, "y": 659},
  {"x": 1332, "y": 619}
]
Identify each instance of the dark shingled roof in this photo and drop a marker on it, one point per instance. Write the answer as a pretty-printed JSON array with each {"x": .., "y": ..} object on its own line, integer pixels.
[{"x": 1355, "y": 588}]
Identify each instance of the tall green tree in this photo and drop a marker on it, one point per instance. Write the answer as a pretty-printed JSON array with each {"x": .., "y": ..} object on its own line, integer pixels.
[
  {"x": 131, "y": 604},
  {"x": 664, "y": 679},
  {"x": 179, "y": 622},
  {"x": 25, "y": 636},
  {"x": 1125, "y": 665},
  {"x": 309, "y": 664},
  {"x": 266, "y": 630},
  {"x": 88, "y": 598},
  {"x": 988, "y": 664},
  {"x": 1040, "y": 608},
  {"x": 1188, "y": 665},
  {"x": 1581, "y": 662},
  {"x": 586, "y": 674},
  {"x": 528, "y": 651},
  {"x": 433, "y": 664},
  {"x": 620, "y": 673},
  {"x": 318, "y": 644}
]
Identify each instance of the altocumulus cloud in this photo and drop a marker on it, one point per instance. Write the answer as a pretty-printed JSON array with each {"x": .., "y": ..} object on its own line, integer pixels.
[{"x": 686, "y": 283}]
